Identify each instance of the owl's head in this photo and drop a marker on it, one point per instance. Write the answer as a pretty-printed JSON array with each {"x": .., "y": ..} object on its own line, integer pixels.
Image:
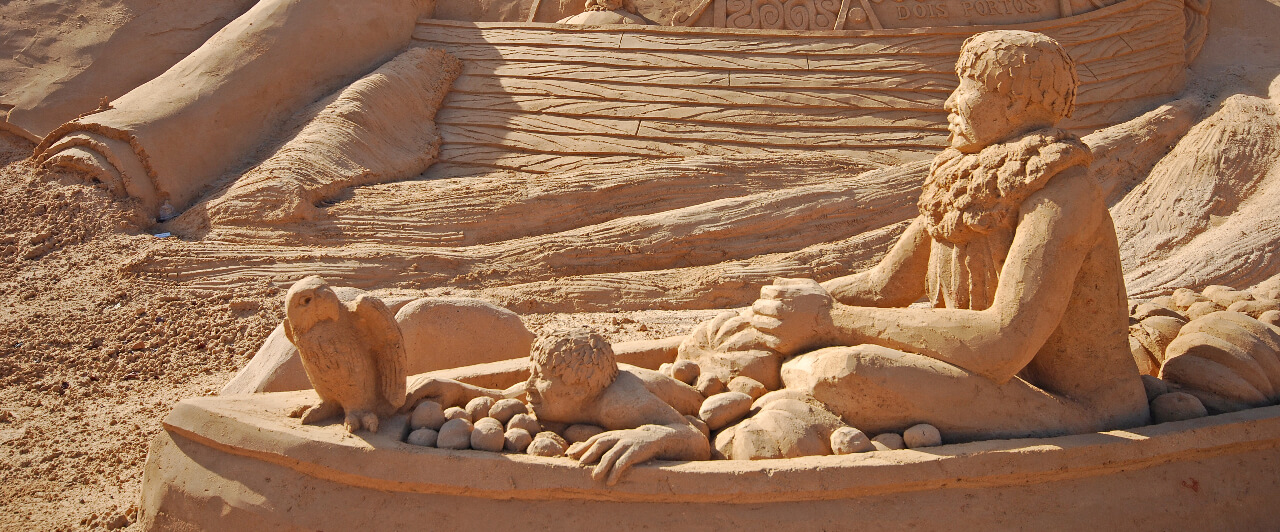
[{"x": 310, "y": 301}]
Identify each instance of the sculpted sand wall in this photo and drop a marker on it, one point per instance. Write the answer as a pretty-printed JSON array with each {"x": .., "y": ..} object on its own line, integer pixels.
[
  {"x": 378, "y": 129},
  {"x": 59, "y": 59},
  {"x": 651, "y": 93},
  {"x": 204, "y": 116}
]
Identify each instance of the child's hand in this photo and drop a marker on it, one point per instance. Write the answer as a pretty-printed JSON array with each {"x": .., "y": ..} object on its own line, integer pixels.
[{"x": 617, "y": 451}]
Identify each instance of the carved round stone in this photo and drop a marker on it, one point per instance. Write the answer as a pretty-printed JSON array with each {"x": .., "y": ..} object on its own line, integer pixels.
[
  {"x": 748, "y": 386},
  {"x": 1201, "y": 309},
  {"x": 554, "y": 436},
  {"x": 848, "y": 440},
  {"x": 526, "y": 422},
  {"x": 516, "y": 440},
  {"x": 581, "y": 432},
  {"x": 1225, "y": 296},
  {"x": 710, "y": 386},
  {"x": 700, "y": 425},
  {"x": 455, "y": 412},
  {"x": 1149, "y": 309},
  {"x": 455, "y": 434},
  {"x": 665, "y": 369},
  {"x": 423, "y": 437},
  {"x": 685, "y": 371},
  {"x": 546, "y": 446},
  {"x": 479, "y": 407},
  {"x": 889, "y": 441},
  {"x": 506, "y": 409},
  {"x": 487, "y": 435},
  {"x": 1183, "y": 298},
  {"x": 724, "y": 409},
  {"x": 429, "y": 415},
  {"x": 922, "y": 435},
  {"x": 1176, "y": 406},
  {"x": 1255, "y": 307},
  {"x": 1154, "y": 386},
  {"x": 1270, "y": 317}
]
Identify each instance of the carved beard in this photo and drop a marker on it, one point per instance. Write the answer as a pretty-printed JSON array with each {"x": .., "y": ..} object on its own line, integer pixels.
[
  {"x": 966, "y": 196},
  {"x": 970, "y": 204}
]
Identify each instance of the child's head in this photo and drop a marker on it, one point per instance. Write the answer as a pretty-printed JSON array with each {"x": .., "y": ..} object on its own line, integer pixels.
[
  {"x": 569, "y": 367},
  {"x": 1011, "y": 81}
]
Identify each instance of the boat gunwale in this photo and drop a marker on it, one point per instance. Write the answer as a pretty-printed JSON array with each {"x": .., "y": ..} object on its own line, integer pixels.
[{"x": 255, "y": 427}]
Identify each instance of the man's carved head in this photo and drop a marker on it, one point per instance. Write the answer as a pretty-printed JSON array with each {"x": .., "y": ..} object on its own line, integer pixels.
[
  {"x": 570, "y": 368},
  {"x": 1011, "y": 82}
]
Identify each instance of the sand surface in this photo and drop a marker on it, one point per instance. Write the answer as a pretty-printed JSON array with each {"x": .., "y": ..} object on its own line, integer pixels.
[{"x": 92, "y": 357}]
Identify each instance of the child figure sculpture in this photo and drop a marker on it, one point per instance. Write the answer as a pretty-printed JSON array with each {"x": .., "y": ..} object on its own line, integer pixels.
[{"x": 574, "y": 379}]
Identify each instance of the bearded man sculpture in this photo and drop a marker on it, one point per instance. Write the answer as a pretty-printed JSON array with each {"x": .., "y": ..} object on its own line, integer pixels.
[{"x": 1017, "y": 254}]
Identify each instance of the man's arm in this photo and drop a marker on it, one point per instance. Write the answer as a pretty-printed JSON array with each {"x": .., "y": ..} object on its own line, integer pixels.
[
  {"x": 897, "y": 281},
  {"x": 1057, "y": 229}
]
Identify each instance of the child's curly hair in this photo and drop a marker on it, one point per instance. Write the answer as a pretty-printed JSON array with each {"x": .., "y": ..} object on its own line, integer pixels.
[
  {"x": 577, "y": 357},
  {"x": 1027, "y": 64}
]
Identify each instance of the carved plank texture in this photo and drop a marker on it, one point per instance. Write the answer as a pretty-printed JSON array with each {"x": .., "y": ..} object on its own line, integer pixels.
[
  {"x": 594, "y": 170},
  {"x": 544, "y": 98}
]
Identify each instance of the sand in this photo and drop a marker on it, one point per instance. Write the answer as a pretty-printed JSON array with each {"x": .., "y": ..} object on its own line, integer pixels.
[{"x": 92, "y": 358}]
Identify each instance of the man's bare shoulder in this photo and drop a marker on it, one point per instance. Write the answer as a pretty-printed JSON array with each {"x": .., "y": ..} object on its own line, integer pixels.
[{"x": 1073, "y": 191}]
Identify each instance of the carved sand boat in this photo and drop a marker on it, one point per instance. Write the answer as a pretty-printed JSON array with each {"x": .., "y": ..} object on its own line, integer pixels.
[
  {"x": 237, "y": 462},
  {"x": 545, "y": 98},
  {"x": 541, "y": 98}
]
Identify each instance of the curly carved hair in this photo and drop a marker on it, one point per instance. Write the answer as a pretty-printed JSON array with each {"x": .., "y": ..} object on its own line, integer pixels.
[
  {"x": 577, "y": 357},
  {"x": 1025, "y": 63}
]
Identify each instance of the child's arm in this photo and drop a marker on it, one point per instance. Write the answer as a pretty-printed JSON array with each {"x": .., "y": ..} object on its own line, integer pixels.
[
  {"x": 641, "y": 428},
  {"x": 449, "y": 392}
]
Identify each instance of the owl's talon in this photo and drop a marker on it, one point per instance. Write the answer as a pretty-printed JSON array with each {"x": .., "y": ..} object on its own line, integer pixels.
[
  {"x": 320, "y": 413},
  {"x": 369, "y": 420},
  {"x": 361, "y": 419}
]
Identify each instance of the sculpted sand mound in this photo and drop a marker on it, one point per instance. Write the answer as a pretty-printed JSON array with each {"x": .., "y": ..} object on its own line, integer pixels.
[
  {"x": 58, "y": 59},
  {"x": 1208, "y": 212},
  {"x": 378, "y": 129}
]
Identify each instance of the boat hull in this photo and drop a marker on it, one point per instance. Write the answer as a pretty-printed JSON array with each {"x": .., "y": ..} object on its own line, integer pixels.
[
  {"x": 546, "y": 98},
  {"x": 240, "y": 463}
]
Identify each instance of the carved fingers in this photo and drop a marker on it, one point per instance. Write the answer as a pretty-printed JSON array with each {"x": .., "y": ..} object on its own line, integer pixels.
[
  {"x": 792, "y": 315},
  {"x": 615, "y": 452}
]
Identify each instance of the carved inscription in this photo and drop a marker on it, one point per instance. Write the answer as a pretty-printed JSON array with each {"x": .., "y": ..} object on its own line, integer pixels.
[{"x": 917, "y": 13}]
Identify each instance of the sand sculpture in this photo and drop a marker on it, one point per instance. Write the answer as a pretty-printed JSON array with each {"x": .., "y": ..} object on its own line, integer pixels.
[
  {"x": 353, "y": 354},
  {"x": 973, "y": 259},
  {"x": 576, "y": 384},
  {"x": 1011, "y": 227}
]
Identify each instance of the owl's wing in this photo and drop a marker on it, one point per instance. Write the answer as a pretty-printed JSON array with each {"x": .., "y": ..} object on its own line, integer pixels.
[
  {"x": 378, "y": 324},
  {"x": 288, "y": 332}
]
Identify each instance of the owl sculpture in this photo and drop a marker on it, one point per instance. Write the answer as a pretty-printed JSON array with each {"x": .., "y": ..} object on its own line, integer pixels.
[{"x": 353, "y": 353}]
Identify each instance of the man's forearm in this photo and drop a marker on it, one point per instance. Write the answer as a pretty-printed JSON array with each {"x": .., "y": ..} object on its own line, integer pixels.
[{"x": 971, "y": 340}]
